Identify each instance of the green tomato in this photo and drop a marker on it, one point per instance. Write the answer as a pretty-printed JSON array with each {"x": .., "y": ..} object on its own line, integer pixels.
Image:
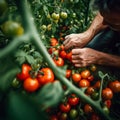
[
  {"x": 3, "y": 6},
  {"x": 73, "y": 113},
  {"x": 55, "y": 16},
  {"x": 16, "y": 83},
  {"x": 63, "y": 15},
  {"x": 106, "y": 109},
  {"x": 12, "y": 29}
]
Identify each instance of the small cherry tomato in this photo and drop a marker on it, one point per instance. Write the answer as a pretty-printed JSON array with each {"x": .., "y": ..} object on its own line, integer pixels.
[
  {"x": 90, "y": 90},
  {"x": 51, "y": 50},
  {"x": 106, "y": 109},
  {"x": 63, "y": 116},
  {"x": 69, "y": 56},
  {"x": 107, "y": 94},
  {"x": 108, "y": 103},
  {"x": 16, "y": 83},
  {"x": 65, "y": 107},
  {"x": 31, "y": 84},
  {"x": 76, "y": 77},
  {"x": 95, "y": 117},
  {"x": 93, "y": 68},
  {"x": 53, "y": 42},
  {"x": 115, "y": 86},
  {"x": 85, "y": 74},
  {"x": 88, "y": 109},
  {"x": 68, "y": 73},
  {"x": 73, "y": 114},
  {"x": 97, "y": 85},
  {"x": 53, "y": 117},
  {"x": 59, "y": 61},
  {"x": 63, "y": 54},
  {"x": 73, "y": 100},
  {"x": 45, "y": 76},
  {"x": 25, "y": 72},
  {"x": 55, "y": 16},
  {"x": 90, "y": 78},
  {"x": 84, "y": 83},
  {"x": 63, "y": 15}
]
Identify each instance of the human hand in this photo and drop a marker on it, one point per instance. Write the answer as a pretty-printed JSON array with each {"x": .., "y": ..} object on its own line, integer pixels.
[
  {"x": 85, "y": 57},
  {"x": 76, "y": 40}
]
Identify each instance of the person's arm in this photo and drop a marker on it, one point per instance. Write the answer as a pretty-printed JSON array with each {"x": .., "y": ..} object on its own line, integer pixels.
[
  {"x": 109, "y": 60},
  {"x": 82, "y": 39},
  {"x": 96, "y": 26}
]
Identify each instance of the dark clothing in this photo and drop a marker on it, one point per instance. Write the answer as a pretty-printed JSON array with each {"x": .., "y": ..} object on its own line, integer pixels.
[{"x": 107, "y": 41}]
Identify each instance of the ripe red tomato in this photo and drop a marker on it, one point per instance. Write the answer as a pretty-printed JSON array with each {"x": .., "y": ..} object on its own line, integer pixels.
[
  {"x": 24, "y": 74},
  {"x": 73, "y": 100},
  {"x": 62, "y": 47},
  {"x": 53, "y": 42},
  {"x": 84, "y": 83},
  {"x": 85, "y": 74},
  {"x": 45, "y": 76},
  {"x": 90, "y": 78},
  {"x": 90, "y": 90},
  {"x": 68, "y": 73},
  {"x": 88, "y": 109},
  {"x": 108, "y": 103},
  {"x": 76, "y": 77},
  {"x": 51, "y": 50},
  {"x": 97, "y": 85},
  {"x": 69, "y": 56},
  {"x": 63, "y": 54},
  {"x": 115, "y": 86},
  {"x": 107, "y": 94},
  {"x": 31, "y": 84},
  {"x": 65, "y": 107},
  {"x": 59, "y": 61}
]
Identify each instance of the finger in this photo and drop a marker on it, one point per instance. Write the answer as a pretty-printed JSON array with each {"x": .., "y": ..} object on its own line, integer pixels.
[
  {"x": 76, "y": 51},
  {"x": 75, "y": 57},
  {"x": 76, "y": 61}
]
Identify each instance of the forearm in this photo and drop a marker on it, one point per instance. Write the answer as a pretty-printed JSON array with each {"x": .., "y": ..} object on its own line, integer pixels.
[
  {"x": 109, "y": 60},
  {"x": 96, "y": 26}
]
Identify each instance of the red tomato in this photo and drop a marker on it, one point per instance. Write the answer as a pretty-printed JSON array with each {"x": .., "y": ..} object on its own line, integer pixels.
[
  {"x": 85, "y": 74},
  {"x": 45, "y": 76},
  {"x": 65, "y": 107},
  {"x": 73, "y": 100},
  {"x": 62, "y": 47},
  {"x": 69, "y": 56},
  {"x": 95, "y": 117},
  {"x": 31, "y": 84},
  {"x": 76, "y": 77},
  {"x": 51, "y": 50},
  {"x": 90, "y": 90},
  {"x": 97, "y": 85},
  {"x": 88, "y": 109},
  {"x": 108, "y": 103},
  {"x": 24, "y": 74},
  {"x": 53, "y": 42},
  {"x": 90, "y": 78},
  {"x": 63, "y": 54},
  {"x": 107, "y": 94},
  {"x": 68, "y": 73},
  {"x": 59, "y": 61},
  {"x": 53, "y": 117},
  {"x": 115, "y": 86},
  {"x": 84, "y": 83}
]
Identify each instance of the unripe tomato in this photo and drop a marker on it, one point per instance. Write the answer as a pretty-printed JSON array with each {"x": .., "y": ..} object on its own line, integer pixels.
[
  {"x": 12, "y": 29},
  {"x": 107, "y": 94},
  {"x": 44, "y": 27},
  {"x": 115, "y": 86},
  {"x": 16, "y": 83},
  {"x": 84, "y": 83},
  {"x": 95, "y": 95},
  {"x": 31, "y": 84},
  {"x": 85, "y": 74},
  {"x": 3, "y": 6},
  {"x": 59, "y": 61},
  {"x": 93, "y": 68},
  {"x": 25, "y": 72},
  {"x": 76, "y": 77},
  {"x": 65, "y": 107},
  {"x": 63, "y": 15},
  {"x": 73, "y": 114},
  {"x": 45, "y": 76},
  {"x": 63, "y": 116},
  {"x": 55, "y": 16},
  {"x": 106, "y": 109}
]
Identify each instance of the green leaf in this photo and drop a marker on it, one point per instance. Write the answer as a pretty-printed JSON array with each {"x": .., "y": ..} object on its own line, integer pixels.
[
  {"x": 50, "y": 95},
  {"x": 20, "y": 107}
]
